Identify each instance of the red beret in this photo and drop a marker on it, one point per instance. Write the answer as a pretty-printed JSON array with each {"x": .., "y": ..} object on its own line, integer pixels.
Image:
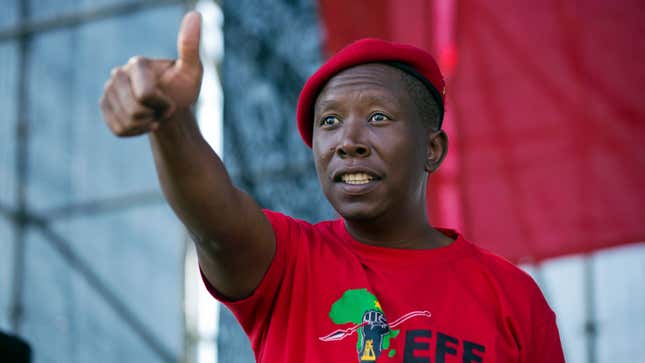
[{"x": 410, "y": 59}]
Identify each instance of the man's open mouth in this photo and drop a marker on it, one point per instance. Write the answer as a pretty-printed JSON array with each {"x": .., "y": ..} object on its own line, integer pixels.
[{"x": 356, "y": 178}]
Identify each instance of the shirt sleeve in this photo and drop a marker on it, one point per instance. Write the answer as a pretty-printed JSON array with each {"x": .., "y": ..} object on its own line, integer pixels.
[
  {"x": 253, "y": 312},
  {"x": 546, "y": 345}
]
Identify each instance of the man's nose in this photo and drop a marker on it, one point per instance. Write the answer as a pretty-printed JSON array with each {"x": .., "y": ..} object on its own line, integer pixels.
[{"x": 352, "y": 142}]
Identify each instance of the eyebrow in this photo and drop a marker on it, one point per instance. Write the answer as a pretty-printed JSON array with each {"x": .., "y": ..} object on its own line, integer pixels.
[
  {"x": 325, "y": 104},
  {"x": 370, "y": 99}
]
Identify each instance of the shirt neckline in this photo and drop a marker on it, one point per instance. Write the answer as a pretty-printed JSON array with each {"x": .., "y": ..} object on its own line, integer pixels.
[{"x": 457, "y": 249}]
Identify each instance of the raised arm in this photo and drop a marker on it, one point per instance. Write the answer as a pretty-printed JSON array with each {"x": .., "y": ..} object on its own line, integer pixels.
[{"x": 235, "y": 242}]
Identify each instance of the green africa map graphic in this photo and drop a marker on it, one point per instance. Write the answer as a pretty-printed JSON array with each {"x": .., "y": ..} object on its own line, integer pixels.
[{"x": 362, "y": 309}]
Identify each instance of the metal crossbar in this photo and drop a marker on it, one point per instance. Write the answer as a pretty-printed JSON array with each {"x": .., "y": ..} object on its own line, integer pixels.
[{"x": 25, "y": 27}]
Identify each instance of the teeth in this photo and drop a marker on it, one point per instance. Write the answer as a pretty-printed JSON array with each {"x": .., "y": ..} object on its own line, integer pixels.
[{"x": 356, "y": 178}]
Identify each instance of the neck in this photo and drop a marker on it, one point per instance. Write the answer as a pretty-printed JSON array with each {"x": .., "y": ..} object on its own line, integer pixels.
[{"x": 399, "y": 231}]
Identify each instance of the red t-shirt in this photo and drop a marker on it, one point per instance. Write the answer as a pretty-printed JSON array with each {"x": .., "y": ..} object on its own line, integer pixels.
[{"x": 329, "y": 298}]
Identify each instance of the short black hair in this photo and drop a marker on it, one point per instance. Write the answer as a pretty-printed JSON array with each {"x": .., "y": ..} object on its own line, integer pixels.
[{"x": 429, "y": 110}]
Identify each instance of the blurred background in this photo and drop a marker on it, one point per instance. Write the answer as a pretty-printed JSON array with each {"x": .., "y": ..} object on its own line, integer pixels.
[{"x": 546, "y": 164}]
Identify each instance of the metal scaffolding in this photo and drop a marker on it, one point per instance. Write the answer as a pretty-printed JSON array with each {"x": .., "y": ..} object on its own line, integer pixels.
[{"x": 22, "y": 217}]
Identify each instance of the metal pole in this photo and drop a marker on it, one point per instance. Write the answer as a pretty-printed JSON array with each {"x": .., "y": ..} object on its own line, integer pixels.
[
  {"x": 591, "y": 328},
  {"x": 22, "y": 142}
]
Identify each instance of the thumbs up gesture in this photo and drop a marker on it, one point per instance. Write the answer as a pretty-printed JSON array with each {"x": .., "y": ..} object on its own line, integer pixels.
[{"x": 142, "y": 94}]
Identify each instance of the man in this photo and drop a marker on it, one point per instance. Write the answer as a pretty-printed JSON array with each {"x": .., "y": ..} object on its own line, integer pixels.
[{"x": 379, "y": 284}]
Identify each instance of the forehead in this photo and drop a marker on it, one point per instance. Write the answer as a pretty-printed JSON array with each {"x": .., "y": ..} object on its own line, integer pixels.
[{"x": 372, "y": 76}]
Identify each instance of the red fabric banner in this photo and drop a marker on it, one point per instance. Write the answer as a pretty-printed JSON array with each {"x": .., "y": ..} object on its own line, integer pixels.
[{"x": 545, "y": 117}]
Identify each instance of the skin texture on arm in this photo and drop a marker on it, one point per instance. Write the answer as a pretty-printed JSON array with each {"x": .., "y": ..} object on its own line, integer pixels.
[{"x": 234, "y": 240}]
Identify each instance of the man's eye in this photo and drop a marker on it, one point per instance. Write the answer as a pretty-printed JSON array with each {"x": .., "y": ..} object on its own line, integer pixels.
[
  {"x": 377, "y": 116},
  {"x": 329, "y": 121}
]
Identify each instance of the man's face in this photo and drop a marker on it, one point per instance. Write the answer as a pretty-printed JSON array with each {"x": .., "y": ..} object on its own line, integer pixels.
[{"x": 369, "y": 143}]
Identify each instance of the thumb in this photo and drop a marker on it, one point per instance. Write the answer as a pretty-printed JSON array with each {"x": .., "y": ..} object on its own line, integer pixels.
[{"x": 188, "y": 39}]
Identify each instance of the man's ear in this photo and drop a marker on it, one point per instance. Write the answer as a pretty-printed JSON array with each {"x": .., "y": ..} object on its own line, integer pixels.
[{"x": 437, "y": 148}]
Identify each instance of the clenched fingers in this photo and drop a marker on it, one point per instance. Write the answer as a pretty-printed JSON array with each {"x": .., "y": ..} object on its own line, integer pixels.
[
  {"x": 131, "y": 107},
  {"x": 113, "y": 115},
  {"x": 144, "y": 76},
  {"x": 123, "y": 113}
]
